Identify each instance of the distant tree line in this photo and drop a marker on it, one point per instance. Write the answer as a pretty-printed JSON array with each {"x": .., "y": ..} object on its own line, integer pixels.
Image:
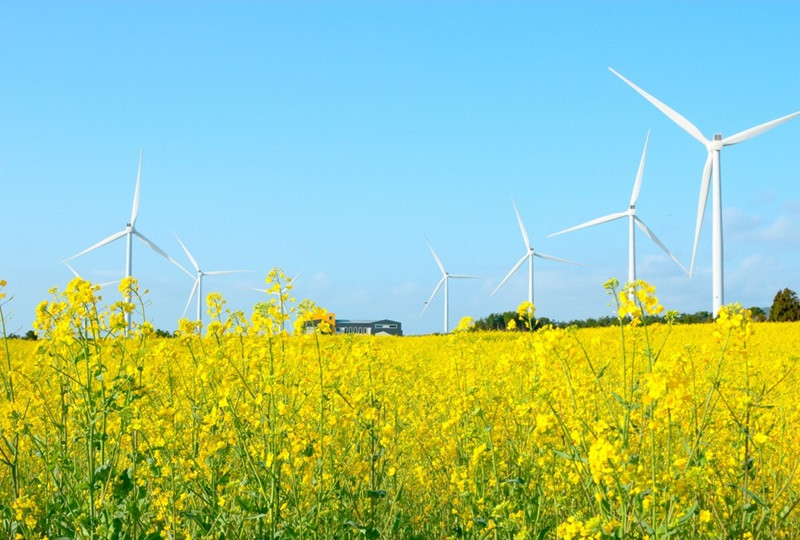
[
  {"x": 785, "y": 307},
  {"x": 500, "y": 321}
]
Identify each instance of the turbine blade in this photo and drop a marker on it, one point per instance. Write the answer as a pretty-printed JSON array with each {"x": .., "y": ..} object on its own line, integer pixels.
[
  {"x": 705, "y": 184},
  {"x": 107, "y": 283},
  {"x": 300, "y": 273},
  {"x": 220, "y": 272},
  {"x": 135, "y": 210},
  {"x": 191, "y": 295},
  {"x": 438, "y": 285},
  {"x": 162, "y": 253},
  {"x": 551, "y": 258},
  {"x": 462, "y": 276},
  {"x": 521, "y": 226},
  {"x": 638, "y": 184},
  {"x": 597, "y": 221},
  {"x": 758, "y": 130},
  {"x": 188, "y": 254},
  {"x": 101, "y": 243},
  {"x": 673, "y": 115},
  {"x": 435, "y": 256},
  {"x": 658, "y": 242},
  {"x": 74, "y": 273},
  {"x": 511, "y": 272},
  {"x": 260, "y": 290}
]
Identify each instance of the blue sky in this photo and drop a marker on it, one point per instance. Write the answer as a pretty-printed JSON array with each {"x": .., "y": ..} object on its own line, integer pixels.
[{"x": 330, "y": 137}]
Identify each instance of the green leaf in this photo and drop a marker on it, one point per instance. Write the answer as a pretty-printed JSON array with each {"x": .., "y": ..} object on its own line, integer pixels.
[
  {"x": 123, "y": 485},
  {"x": 758, "y": 500},
  {"x": 688, "y": 515},
  {"x": 102, "y": 473},
  {"x": 564, "y": 455},
  {"x": 354, "y": 525}
]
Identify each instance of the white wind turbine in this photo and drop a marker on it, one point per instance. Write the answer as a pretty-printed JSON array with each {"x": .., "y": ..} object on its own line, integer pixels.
[
  {"x": 198, "y": 281},
  {"x": 129, "y": 232},
  {"x": 710, "y": 170},
  {"x": 529, "y": 255},
  {"x": 446, "y": 277},
  {"x": 630, "y": 213}
]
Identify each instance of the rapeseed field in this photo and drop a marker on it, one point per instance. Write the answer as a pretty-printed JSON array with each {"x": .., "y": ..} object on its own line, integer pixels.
[{"x": 242, "y": 429}]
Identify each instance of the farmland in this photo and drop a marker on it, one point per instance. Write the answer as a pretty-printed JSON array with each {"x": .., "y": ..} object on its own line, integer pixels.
[{"x": 242, "y": 430}]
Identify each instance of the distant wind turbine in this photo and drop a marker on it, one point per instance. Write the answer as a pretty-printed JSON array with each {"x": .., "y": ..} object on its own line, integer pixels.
[
  {"x": 446, "y": 276},
  {"x": 711, "y": 169},
  {"x": 198, "y": 281},
  {"x": 630, "y": 213},
  {"x": 129, "y": 232},
  {"x": 529, "y": 255}
]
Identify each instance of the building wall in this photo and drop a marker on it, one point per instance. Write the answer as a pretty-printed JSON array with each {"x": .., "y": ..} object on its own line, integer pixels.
[{"x": 383, "y": 326}]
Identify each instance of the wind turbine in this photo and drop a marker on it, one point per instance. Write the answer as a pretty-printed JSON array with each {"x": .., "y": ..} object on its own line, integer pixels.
[
  {"x": 710, "y": 170},
  {"x": 630, "y": 213},
  {"x": 129, "y": 232},
  {"x": 198, "y": 281},
  {"x": 446, "y": 277},
  {"x": 529, "y": 255}
]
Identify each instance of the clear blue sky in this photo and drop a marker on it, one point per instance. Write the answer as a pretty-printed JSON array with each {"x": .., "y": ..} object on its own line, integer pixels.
[{"x": 330, "y": 137}]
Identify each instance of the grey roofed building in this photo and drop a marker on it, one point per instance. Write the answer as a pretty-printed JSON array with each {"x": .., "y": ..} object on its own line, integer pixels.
[{"x": 382, "y": 327}]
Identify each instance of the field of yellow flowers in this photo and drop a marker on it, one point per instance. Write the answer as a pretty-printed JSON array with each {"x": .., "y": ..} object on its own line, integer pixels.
[{"x": 241, "y": 430}]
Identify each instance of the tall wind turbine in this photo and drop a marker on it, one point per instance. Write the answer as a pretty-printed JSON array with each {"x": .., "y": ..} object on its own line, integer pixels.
[
  {"x": 529, "y": 255},
  {"x": 711, "y": 170},
  {"x": 446, "y": 277},
  {"x": 630, "y": 213},
  {"x": 129, "y": 232},
  {"x": 198, "y": 281}
]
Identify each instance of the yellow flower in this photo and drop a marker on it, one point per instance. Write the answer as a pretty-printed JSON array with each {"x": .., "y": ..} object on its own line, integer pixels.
[{"x": 465, "y": 324}]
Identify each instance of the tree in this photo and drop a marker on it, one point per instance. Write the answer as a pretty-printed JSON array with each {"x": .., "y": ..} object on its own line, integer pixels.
[
  {"x": 785, "y": 306},
  {"x": 758, "y": 314}
]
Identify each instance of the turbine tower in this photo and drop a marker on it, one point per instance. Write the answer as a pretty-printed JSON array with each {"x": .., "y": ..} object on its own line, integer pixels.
[
  {"x": 446, "y": 277},
  {"x": 630, "y": 213},
  {"x": 129, "y": 232},
  {"x": 198, "y": 281},
  {"x": 530, "y": 253},
  {"x": 711, "y": 171}
]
